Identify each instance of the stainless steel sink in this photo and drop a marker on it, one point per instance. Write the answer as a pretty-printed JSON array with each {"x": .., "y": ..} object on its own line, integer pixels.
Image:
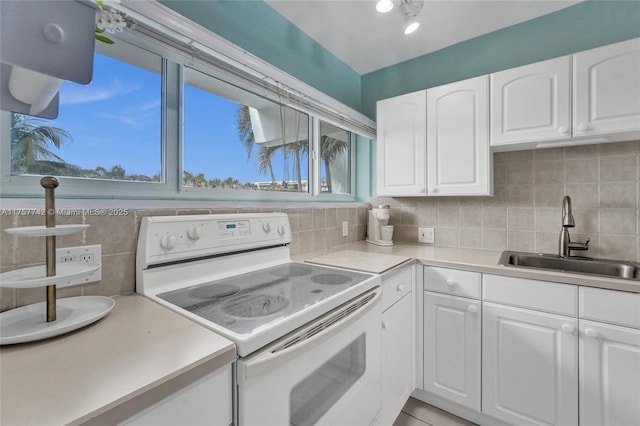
[{"x": 580, "y": 265}]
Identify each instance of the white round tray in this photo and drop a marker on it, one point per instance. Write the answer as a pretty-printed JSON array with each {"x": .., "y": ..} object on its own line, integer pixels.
[
  {"x": 29, "y": 323},
  {"x": 36, "y": 276},
  {"x": 43, "y": 231}
]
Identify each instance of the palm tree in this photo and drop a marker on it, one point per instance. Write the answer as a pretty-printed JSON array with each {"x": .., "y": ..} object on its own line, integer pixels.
[
  {"x": 330, "y": 149},
  {"x": 31, "y": 142},
  {"x": 245, "y": 133},
  {"x": 265, "y": 154}
]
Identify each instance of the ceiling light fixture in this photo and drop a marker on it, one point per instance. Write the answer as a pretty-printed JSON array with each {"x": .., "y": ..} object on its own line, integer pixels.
[
  {"x": 384, "y": 6},
  {"x": 409, "y": 8}
]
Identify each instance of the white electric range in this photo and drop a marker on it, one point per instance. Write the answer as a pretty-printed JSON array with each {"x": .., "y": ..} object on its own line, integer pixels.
[{"x": 308, "y": 336}]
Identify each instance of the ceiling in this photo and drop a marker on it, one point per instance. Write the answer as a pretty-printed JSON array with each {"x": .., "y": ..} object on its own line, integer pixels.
[{"x": 367, "y": 40}]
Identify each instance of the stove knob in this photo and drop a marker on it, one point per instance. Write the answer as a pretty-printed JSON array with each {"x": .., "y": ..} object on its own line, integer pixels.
[
  {"x": 168, "y": 241},
  {"x": 267, "y": 227},
  {"x": 194, "y": 232},
  {"x": 281, "y": 230}
]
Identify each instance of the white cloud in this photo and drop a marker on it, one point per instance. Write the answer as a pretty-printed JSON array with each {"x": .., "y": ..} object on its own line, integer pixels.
[
  {"x": 76, "y": 94},
  {"x": 155, "y": 104},
  {"x": 123, "y": 119}
]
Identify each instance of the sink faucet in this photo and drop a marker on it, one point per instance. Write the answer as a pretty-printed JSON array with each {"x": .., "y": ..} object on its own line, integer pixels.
[{"x": 565, "y": 245}]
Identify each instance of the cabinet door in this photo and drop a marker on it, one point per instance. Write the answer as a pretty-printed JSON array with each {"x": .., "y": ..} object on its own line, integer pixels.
[
  {"x": 529, "y": 366},
  {"x": 609, "y": 375},
  {"x": 206, "y": 401},
  {"x": 397, "y": 360},
  {"x": 607, "y": 89},
  {"x": 401, "y": 145},
  {"x": 452, "y": 348},
  {"x": 458, "y": 157},
  {"x": 531, "y": 103}
]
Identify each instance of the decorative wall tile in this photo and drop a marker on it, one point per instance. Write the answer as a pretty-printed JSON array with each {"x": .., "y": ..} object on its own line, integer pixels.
[
  {"x": 471, "y": 238},
  {"x": 521, "y": 241},
  {"x": 618, "y": 195},
  {"x": 520, "y": 218},
  {"x": 603, "y": 182}
]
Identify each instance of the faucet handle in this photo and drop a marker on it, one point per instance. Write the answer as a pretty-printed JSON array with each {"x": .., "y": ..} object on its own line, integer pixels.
[{"x": 573, "y": 245}]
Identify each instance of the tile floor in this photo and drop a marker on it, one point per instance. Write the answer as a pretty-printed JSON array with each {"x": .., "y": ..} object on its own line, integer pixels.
[{"x": 418, "y": 413}]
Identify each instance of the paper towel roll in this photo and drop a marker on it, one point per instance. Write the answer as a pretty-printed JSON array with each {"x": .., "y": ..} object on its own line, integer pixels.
[{"x": 33, "y": 88}]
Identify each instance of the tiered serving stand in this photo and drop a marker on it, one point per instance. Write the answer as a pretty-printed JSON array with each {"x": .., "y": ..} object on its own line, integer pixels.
[{"x": 53, "y": 317}]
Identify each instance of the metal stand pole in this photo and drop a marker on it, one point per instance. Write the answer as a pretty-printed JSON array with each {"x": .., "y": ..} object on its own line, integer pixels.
[{"x": 49, "y": 183}]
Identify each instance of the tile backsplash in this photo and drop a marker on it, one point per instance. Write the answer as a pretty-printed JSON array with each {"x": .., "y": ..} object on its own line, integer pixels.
[
  {"x": 312, "y": 229},
  {"x": 525, "y": 213}
]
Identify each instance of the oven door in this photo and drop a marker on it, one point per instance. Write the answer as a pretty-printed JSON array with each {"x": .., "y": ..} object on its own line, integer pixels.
[{"x": 325, "y": 373}]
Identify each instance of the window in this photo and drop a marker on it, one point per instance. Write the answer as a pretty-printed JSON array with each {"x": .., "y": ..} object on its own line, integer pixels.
[
  {"x": 335, "y": 155},
  {"x": 160, "y": 121},
  {"x": 108, "y": 129},
  {"x": 234, "y": 139}
]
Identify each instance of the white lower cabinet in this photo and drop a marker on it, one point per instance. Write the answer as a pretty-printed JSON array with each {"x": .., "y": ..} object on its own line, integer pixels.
[
  {"x": 529, "y": 366},
  {"x": 397, "y": 346},
  {"x": 452, "y": 348},
  {"x": 536, "y": 353},
  {"x": 207, "y": 401},
  {"x": 609, "y": 357},
  {"x": 609, "y": 375}
]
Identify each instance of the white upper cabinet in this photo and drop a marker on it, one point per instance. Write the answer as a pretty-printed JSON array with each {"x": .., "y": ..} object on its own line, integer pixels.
[
  {"x": 531, "y": 102},
  {"x": 607, "y": 89},
  {"x": 401, "y": 145},
  {"x": 589, "y": 97},
  {"x": 458, "y": 156}
]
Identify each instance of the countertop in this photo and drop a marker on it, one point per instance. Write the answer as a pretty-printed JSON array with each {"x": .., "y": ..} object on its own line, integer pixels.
[
  {"x": 119, "y": 361},
  {"x": 471, "y": 260}
]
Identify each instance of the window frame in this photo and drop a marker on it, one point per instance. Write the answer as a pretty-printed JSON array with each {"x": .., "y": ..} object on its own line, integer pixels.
[{"x": 170, "y": 187}]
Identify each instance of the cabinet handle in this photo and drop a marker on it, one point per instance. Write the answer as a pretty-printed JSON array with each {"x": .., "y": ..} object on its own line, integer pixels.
[
  {"x": 472, "y": 309},
  {"x": 385, "y": 325},
  {"x": 590, "y": 332},
  {"x": 452, "y": 284},
  {"x": 567, "y": 328},
  {"x": 421, "y": 190},
  {"x": 583, "y": 127},
  {"x": 399, "y": 287},
  {"x": 433, "y": 190},
  {"x": 563, "y": 130}
]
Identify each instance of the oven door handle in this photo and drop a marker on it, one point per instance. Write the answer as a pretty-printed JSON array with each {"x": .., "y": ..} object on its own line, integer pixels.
[{"x": 307, "y": 338}]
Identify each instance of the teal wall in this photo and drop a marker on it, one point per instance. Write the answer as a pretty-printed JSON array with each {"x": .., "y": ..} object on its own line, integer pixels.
[
  {"x": 583, "y": 26},
  {"x": 256, "y": 27}
]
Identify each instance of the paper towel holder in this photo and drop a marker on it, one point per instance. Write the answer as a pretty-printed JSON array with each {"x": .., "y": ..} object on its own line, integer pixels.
[{"x": 43, "y": 43}]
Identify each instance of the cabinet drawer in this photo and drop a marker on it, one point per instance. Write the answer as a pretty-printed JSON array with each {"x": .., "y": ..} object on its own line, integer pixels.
[
  {"x": 615, "y": 307},
  {"x": 452, "y": 281},
  {"x": 540, "y": 295},
  {"x": 395, "y": 287}
]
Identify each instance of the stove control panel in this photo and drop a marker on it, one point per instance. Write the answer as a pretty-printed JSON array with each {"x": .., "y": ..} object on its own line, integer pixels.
[{"x": 165, "y": 239}]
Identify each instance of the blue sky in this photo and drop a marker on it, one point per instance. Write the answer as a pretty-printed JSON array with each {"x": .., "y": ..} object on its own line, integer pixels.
[{"x": 116, "y": 120}]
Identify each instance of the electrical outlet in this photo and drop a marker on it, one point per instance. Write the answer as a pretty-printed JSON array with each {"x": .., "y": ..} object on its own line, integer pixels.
[
  {"x": 345, "y": 228},
  {"x": 426, "y": 235},
  {"x": 82, "y": 254}
]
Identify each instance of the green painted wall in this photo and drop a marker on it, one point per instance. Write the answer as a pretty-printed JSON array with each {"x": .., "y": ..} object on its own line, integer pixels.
[
  {"x": 258, "y": 28},
  {"x": 583, "y": 26}
]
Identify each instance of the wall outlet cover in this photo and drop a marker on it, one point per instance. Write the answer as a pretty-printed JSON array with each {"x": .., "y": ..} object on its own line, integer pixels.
[
  {"x": 82, "y": 254},
  {"x": 426, "y": 235}
]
